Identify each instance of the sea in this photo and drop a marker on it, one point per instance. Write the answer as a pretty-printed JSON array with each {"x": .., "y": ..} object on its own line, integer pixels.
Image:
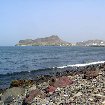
[{"x": 27, "y": 62}]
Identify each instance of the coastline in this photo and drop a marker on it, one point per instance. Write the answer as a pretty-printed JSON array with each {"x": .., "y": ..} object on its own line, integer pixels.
[{"x": 84, "y": 84}]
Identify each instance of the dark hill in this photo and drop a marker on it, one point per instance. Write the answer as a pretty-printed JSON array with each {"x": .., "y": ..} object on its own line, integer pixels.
[{"x": 53, "y": 40}]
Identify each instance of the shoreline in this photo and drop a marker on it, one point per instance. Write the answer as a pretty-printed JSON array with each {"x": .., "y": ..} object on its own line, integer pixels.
[
  {"x": 68, "y": 86},
  {"x": 54, "y": 71}
]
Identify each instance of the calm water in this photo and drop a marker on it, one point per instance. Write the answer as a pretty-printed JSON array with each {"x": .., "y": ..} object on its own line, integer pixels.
[{"x": 17, "y": 59}]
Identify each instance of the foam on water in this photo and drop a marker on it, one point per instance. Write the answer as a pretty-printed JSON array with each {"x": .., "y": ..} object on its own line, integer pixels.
[{"x": 82, "y": 65}]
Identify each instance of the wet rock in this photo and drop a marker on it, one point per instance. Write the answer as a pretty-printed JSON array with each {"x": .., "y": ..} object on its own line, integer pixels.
[
  {"x": 52, "y": 81},
  {"x": 58, "y": 74},
  {"x": 24, "y": 102},
  {"x": 1, "y": 91},
  {"x": 17, "y": 83},
  {"x": 42, "y": 79}
]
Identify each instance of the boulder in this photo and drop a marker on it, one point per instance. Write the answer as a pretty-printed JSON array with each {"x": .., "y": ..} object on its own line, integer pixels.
[
  {"x": 51, "y": 89},
  {"x": 32, "y": 94},
  {"x": 17, "y": 83},
  {"x": 33, "y": 87},
  {"x": 8, "y": 100},
  {"x": 90, "y": 74},
  {"x": 52, "y": 81},
  {"x": 63, "y": 82},
  {"x": 12, "y": 93},
  {"x": 58, "y": 82}
]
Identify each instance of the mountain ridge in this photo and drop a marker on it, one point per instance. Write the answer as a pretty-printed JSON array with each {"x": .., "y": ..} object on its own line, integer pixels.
[{"x": 53, "y": 40}]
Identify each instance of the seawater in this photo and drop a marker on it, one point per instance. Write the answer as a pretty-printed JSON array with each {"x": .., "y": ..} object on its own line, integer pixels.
[{"x": 17, "y": 62}]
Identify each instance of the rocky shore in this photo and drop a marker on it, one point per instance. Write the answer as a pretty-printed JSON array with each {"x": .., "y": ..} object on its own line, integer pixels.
[{"x": 85, "y": 86}]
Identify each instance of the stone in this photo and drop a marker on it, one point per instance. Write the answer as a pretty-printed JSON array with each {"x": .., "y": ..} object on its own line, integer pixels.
[
  {"x": 90, "y": 74},
  {"x": 65, "y": 95},
  {"x": 32, "y": 94},
  {"x": 78, "y": 94},
  {"x": 63, "y": 82},
  {"x": 52, "y": 81},
  {"x": 32, "y": 88},
  {"x": 51, "y": 89},
  {"x": 24, "y": 102},
  {"x": 15, "y": 92},
  {"x": 98, "y": 95},
  {"x": 17, "y": 83},
  {"x": 103, "y": 103},
  {"x": 58, "y": 89},
  {"x": 1, "y": 103},
  {"x": 8, "y": 100},
  {"x": 91, "y": 99}
]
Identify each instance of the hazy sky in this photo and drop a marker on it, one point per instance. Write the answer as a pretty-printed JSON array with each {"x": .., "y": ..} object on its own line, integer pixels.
[{"x": 72, "y": 20}]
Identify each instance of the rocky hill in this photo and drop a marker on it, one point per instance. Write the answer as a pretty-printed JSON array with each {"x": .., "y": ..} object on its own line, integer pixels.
[
  {"x": 47, "y": 41},
  {"x": 91, "y": 43}
]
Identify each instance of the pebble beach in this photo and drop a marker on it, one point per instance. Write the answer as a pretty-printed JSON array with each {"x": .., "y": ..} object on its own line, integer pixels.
[{"x": 81, "y": 87}]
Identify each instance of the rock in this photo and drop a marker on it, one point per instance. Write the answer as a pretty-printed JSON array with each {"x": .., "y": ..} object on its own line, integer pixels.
[
  {"x": 63, "y": 82},
  {"x": 98, "y": 95},
  {"x": 32, "y": 88},
  {"x": 103, "y": 103},
  {"x": 78, "y": 94},
  {"x": 58, "y": 89},
  {"x": 58, "y": 82},
  {"x": 17, "y": 83},
  {"x": 1, "y": 103},
  {"x": 91, "y": 99},
  {"x": 24, "y": 102},
  {"x": 0, "y": 96},
  {"x": 91, "y": 74},
  {"x": 8, "y": 100},
  {"x": 14, "y": 92},
  {"x": 42, "y": 95},
  {"x": 65, "y": 95},
  {"x": 52, "y": 81},
  {"x": 51, "y": 89},
  {"x": 44, "y": 102},
  {"x": 1, "y": 91},
  {"x": 32, "y": 94}
]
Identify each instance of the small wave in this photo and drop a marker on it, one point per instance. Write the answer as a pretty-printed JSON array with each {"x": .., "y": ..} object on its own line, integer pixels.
[
  {"x": 82, "y": 65},
  {"x": 52, "y": 69},
  {"x": 26, "y": 72}
]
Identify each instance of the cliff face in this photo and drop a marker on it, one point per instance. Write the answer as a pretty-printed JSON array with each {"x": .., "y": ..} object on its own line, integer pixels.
[
  {"x": 47, "y": 41},
  {"x": 91, "y": 43}
]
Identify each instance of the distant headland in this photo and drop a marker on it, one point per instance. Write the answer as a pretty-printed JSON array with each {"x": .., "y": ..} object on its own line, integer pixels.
[{"x": 54, "y": 40}]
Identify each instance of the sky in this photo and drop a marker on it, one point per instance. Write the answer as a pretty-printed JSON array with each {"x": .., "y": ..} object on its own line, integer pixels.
[{"x": 71, "y": 20}]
